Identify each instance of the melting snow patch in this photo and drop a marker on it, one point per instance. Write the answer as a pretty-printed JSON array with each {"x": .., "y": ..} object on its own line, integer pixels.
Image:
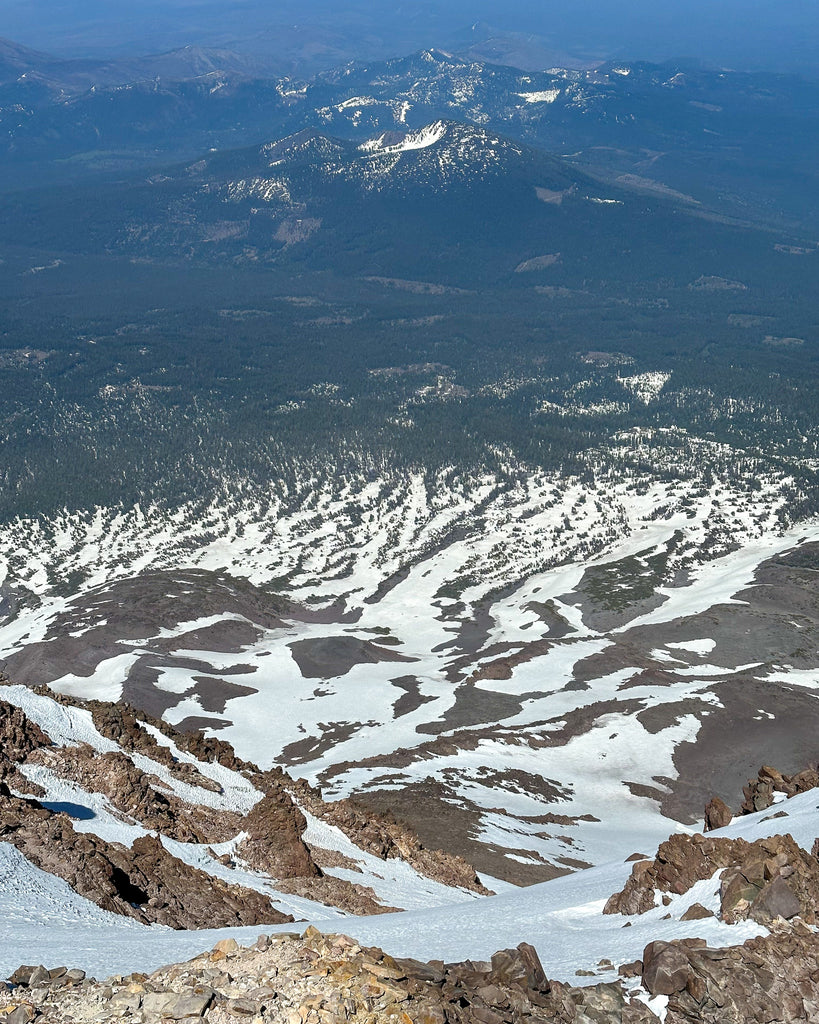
[
  {"x": 421, "y": 139},
  {"x": 646, "y": 386},
  {"x": 544, "y": 96},
  {"x": 694, "y": 646},
  {"x": 357, "y": 101}
]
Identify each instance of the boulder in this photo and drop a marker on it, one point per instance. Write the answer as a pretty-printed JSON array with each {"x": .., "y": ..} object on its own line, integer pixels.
[
  {"x": 696, "y": 912},
  {"x": 748, "y": 871},
  {"x": 776, "y": 899},
  {"x": 665, "y": 968},
  {"x": 717, "y": 814}
]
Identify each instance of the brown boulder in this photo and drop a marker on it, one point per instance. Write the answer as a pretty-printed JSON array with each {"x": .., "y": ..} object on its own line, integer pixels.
[
  {"x": 665, "y": 968},
  {"x": 19, "y": 736},
  {"x": 769, "y": 980},
  {"x": 749, "y": 869},
  {"x": 717, "y": 814},
  {"x": 696, "y": 912},
  {"x": 274, "y": 841}
]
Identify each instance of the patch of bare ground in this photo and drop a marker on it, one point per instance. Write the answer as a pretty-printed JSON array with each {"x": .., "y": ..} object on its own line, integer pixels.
[
  {"x": 443, "y": 819},
  {"x": 328, "y": 657},
  {"x": 755, "y": 722},
  {"x": 411, "y": 699}
]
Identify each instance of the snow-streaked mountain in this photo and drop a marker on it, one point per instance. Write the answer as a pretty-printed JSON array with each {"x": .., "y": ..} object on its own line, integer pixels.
[
  {"x": 436, "y": 157},
  {"x": 431, "y": 643},
  {"x": 723, "y": 137}
]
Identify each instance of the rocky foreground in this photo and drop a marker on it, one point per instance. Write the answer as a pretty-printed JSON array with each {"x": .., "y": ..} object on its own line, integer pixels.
[{"x": 323, "y": 979}]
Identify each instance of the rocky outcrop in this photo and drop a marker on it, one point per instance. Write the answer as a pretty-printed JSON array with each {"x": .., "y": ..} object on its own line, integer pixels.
[
  {"x": 758, "y": 794},
  {"x": 269, "y": 836},
  {"x": 772, "y": 979},
  {"x": 119, "y": 722},
  {"x": 144, "y": 882},
  {"x": 717, "y": 814},
  {"x": 274, "y": 841},
  {"x": 383, "y": 836},
  {"x": 319, "y": 979},
  {"x": 351, "y": 897},
  {"x": 19, "y": 736},
  {"x": 137, "y": 795},
  {"x": 763, "y": 880}
]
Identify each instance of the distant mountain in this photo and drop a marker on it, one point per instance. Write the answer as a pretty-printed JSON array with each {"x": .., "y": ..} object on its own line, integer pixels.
[
  {"x": 71, "y": 77},
  {"x": 747, "y": 144},
  {"x": 463, "y": 199}
]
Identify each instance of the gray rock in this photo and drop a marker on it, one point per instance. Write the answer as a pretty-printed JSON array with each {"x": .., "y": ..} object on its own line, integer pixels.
[
  {"x": 665, "y": 969},
  {"x": 775, "y": 900},
  {"x": 242, "y": 1007},
  {"x": 192, "y": 1005},
  {"x": 157, "y": 1002},
  {"x": 23, "y": 974},
  {"x": 39, "y": 976},
  {"x": 127, "y": 1001},
  {"x": 22, "y": 1014}
]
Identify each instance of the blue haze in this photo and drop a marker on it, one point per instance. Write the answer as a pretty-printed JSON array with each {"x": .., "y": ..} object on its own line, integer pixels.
[{"x": 781, "y": 35}]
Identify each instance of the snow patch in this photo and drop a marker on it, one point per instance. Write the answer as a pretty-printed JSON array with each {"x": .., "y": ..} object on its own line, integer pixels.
[
  {"x": 543, "y": 96},
  {"x": 422, "y": 139}
]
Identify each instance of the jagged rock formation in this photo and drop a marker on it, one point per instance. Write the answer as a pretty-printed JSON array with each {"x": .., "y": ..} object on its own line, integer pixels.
[
  {"x": 120, "y": 723},
  {"x": 763, "y": 880},
  {"x": 273, "y": 844},
  {"x": 759, "y": 792},
  {"x": 19, "y": 737},
  {"x": 322, "y": 978},
  {"x": 138, "y": 795},
  {"x": 144, "y": 882},
  {"x": 379, "y": 834},
  {"x": 152, "y": 781},
  {"x": 772, "y": 979},
  {"x": 717, "y": 814},
  {"x": 385, "y": 837}
]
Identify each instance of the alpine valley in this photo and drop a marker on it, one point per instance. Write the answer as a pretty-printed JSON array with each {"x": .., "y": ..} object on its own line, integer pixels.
[{"x": 408, "y": 526}]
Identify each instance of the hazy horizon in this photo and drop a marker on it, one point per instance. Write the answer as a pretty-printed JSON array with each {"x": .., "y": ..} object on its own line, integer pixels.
[{"x": 752, "y": 35}]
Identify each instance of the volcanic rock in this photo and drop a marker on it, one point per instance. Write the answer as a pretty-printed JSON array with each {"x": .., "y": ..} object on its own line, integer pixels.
[
  {"x": 717, "y": 814},
  {"x": 749, "y": 871},
  {"x": 144, "y": 882},
  {"x": 772, "y": 979}
]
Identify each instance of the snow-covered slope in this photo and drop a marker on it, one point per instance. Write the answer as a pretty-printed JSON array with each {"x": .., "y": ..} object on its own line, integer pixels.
[
  {"x": 95, "y": 773},
  {"x": 563, "y": 918},
  {"x": 574, "y": 646}
]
